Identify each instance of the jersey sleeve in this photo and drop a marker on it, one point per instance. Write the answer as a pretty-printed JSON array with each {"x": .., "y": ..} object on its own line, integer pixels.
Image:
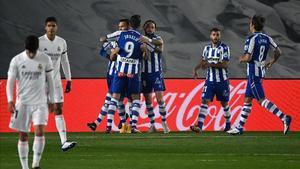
[
  {"x": 272, "y": 43},
  {"x": 65, "y": 62},
  {"x": 13, "y": 69},
  {"x": 204, "y": 53},
  {"x": 226, "y": 53},
  {"x": 249, "y": 45},
  {"x": 113, "y": 36}
]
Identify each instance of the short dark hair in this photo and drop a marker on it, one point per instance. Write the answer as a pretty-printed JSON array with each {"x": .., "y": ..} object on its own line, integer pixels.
[
  {"x": 32, "y": 43},
  {"x": 124, "y": 20},
  {"x": 149, "y": 21},
  {"x": 50, "y": 19},
  {"x": 258, "y": 22},
  {"x": 215, "y": 29},
  {"x": 135, "y": 21}
]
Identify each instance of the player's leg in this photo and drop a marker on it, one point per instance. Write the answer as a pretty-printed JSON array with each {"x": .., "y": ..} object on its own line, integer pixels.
[
  {"x": 227, "y": 115},
  {"x": 222, "y": 94},
  {"x": 39, "y": 120},
  {"x": 62, "y": 129},
  {"x": 136, "y": 106},
  {"x": 207, "y": 97},
  {"x": 112, "y": 108},
  {"x": 20, "y": 121},
  {"x": 122, "y": 113},
  {"x": 102, "y": 114},
  {"x": 162, "y": 110},
  {"x": 133, "y": 87},
  {"x": 151, "y": 115},
  {"x": 128, "y": 129},
  {"x": 38, "y": 145},
  {"x": 245, "y": 110},
  {"x": 271, "y": 107}
]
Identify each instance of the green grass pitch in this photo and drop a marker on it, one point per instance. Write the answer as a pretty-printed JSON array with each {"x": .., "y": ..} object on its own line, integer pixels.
[{"x": 182, "y": 150}]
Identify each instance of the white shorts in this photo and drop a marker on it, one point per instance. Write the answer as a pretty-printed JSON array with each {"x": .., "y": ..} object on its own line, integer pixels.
[{"x": 25, "y": 114}]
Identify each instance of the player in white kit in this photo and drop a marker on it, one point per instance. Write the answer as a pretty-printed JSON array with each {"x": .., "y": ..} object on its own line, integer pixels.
[
  {"x": 56, "y": 48},
  {"x": 30, "y": 70}
]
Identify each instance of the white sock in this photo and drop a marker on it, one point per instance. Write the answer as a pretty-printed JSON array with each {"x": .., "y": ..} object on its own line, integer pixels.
[
  {"x": 38, "y": 148},
  {"x": 61, "y": 128},
  {"x": 23, "y": 150}
]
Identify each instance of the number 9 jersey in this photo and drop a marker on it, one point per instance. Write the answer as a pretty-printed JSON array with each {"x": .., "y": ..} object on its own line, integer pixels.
[
  {"x": 257, "y": 45},
  {"x": 130, "y": 52}
]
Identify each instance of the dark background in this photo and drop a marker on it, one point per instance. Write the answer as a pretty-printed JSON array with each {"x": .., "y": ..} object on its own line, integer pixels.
[{"x": 183, "y": 24}]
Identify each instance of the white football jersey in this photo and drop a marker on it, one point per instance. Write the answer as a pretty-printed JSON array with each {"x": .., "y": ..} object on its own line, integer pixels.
[
  {"x": 57, "y": 50},
  {"x": 30, "y": 77}
]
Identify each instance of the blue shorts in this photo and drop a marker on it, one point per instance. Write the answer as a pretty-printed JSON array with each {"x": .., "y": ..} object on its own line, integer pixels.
[
  {"x": 153, "y": 82},
  {"x": 255, "y": 88},
  {"x": 219, "y": 89},
  {"x": 109, "y": 81},
  {"x": 122, "y": 85}
]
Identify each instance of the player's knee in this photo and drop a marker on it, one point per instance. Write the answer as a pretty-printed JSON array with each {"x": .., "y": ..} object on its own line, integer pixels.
[
  {"x": 58, "y": 110},
  {"x": 204, "y": 101},
  {"x": 224, "y": 104},
  {"x": 23, "y": 136},
  {"x": 39, "y": 130}
]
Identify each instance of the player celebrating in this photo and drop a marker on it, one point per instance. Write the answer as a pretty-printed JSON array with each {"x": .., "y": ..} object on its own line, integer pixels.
[
  {"x": 215, "y": 59},
  {"x": 56, "y": 48},
  {"x": 256, "y": 49},
  {"x": 105, "y": 52},
  {"x": 152, "y": 77},
  {"x": 31, "y": 69},
  {"x": 127, "y": 56}
]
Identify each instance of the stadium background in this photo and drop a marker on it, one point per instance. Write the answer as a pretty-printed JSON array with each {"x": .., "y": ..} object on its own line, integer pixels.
[{"x": 184, "y": 25}]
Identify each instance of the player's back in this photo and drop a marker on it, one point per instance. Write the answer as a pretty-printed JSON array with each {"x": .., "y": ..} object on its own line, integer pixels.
[
  {"x": 130, "y": 52},
  {"x": 258, "y": 45}
]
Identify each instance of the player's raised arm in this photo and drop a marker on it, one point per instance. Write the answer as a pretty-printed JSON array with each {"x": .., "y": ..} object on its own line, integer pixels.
[
  {"x": 11, "y": 78},
  {"x": 111, "y": 37},
  {"x": 156, "y": 42}
]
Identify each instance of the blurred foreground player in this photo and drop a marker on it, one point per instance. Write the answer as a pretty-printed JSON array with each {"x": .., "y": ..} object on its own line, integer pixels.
[{"x": 31, "y": 70}]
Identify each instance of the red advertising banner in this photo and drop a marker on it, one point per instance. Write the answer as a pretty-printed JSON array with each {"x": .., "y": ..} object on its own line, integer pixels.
[{"x": 183, "y": 99}]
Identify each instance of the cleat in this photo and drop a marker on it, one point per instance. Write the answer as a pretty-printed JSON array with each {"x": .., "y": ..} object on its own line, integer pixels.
[
  {"x": 108, "y": 130},
  {"x": 152, "y": 129},
  {"x": 287, "y": 123},
  {"x": 196, "y": 129},
  {"x": 128, "y": 129},
  {"x": 227, "y": 127},
  {"x": 68, "y": 145},
  {"x": 92, "y": 126},
  {"x": 120, "y": 125},
  {"x": 135, "y": 130},
  {"x": 123, "y": 129},
  {"x": 235, "y": 131},
  {"x": 165, "y": 127}
]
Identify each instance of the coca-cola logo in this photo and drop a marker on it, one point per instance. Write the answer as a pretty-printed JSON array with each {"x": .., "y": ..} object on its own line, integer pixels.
[{"x": 183, "y": 107}]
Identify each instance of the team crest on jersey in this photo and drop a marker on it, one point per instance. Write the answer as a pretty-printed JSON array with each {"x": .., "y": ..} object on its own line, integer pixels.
[
  {"x": 40, "y": 66},
  {"x": 45, "y": 49},
  {"x": 58, "y": 49},
  {"x": 23, "y": 66}
]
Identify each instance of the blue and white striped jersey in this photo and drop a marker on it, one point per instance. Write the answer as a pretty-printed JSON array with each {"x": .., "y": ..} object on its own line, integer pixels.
[
  {"x": 105, "y": 52},
  {"x": 154, "y": 62},
  {"x": 215, "y": 55},
  {"x": 257, "y": 45},
  {"x": 130, "y": 52}
]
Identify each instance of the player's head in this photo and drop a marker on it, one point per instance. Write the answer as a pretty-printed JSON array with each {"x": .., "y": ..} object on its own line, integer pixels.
[
  {"x": 215, "y": 35},
  {"x": 257, "y": 23},
  {"x": 31, "y": 45},
  {"x": 149, "y": 27},
  {"x": 51, "y": 25},
  {"x": 123, "y": 24},
  {"x": 135, "y": 21}
]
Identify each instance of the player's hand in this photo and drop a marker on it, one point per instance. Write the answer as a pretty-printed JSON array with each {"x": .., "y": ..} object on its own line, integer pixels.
[
  {"x": 102, "y": 39},
  {"x": 269, "y": 64},
  {"x": 11, "y": 107},
  {"x": 204, "y": 65},
  {"x": 68, "y": 86},
  {"x": 195, "y": 74},
  {"x": 52, "y": 107},
  {"x": 145, "y": 39}
]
